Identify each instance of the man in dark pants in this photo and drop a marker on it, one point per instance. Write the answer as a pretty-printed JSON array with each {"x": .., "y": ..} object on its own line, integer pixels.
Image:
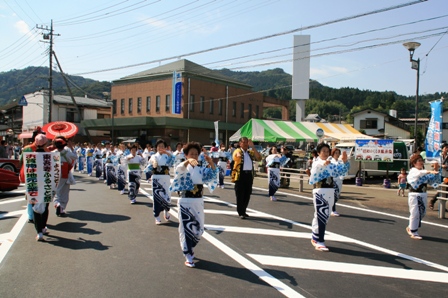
[{"x": 243, "y": 174}]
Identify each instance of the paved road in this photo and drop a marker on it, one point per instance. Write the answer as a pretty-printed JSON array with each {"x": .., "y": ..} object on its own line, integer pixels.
[{"x": 107, "y": 247}]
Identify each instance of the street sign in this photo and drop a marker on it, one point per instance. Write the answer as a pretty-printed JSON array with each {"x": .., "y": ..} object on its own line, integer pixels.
[
  {"x": 22, "y": 101},
  {"x": 319, "y": 132}
]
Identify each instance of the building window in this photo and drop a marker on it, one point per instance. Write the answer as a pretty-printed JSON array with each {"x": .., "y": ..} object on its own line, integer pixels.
[
  {"x": 257, "y": 112},
  {"x": 191, "y": 103},
  {"x": 234, "y": 109},
  {"x": 71, "y": 115},
  {"x": 220, "y": 103},
  {"x": 139, "y": 105},
  {"x": 167, "y": 103},
  {"x": 242, "y": 110},
  {"x": 250, "y": 110},
  {"x": 212, "y": 103},
  {"x": 130, "y": 106},
  {"x": 122, "y": 106},
  {"x": 369, "y": 124},
  {"x": 148, "y": 104},
  {"x": 157, "y": 103},
  {"x": 201, "y": 104},
  {"x": 114, "y": 107}
]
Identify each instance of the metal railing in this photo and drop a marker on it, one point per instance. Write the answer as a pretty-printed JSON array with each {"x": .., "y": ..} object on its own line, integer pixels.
[{"x": 442, "y": 196}]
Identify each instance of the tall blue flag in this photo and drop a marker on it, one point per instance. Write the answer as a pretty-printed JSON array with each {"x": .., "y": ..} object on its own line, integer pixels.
[{"x": 433, "y": 140}]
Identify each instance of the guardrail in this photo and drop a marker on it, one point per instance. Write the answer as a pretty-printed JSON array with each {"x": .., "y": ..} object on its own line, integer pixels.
[
  {"x": 292, "y": 175},
  {"x": 442, "y": 190}
]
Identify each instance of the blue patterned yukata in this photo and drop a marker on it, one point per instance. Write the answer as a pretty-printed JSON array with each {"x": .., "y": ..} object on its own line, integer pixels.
[
  {"x": 417, "y": 196},
  {"x": 189, "y": 182},
  {"x": 323, "y": 193},
  {"x": 159, "y": 165}
]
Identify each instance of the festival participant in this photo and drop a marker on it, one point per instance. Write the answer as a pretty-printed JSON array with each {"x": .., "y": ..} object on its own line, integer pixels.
[
  {"x": 335, "y": 154},
  {"x": 67, "y": 161},
  {"x": 89, "y": 159},
  {"x": 121, "y": 154},
  {"x": 81, "y": 152},
  {"x": 98, "y": 161},
  {"x": 147, "y": 153},
  {"x": 189, "y": 180},
  {"x": 418, "y": 178},
  {"x": 30, "y": 148},
  {"x": 322, "y": 178},
  {"x": 111, "y": 174},
  {"x": 134, "y": 174},
  {"x": 40, "y": 210},
  {"x": 178, "y": 155},
  {"x": 273, "y": 163},
  {"x": 243, "y": 174},
  {"x": 159, "y": 164},
  {"x": 223, "y": 158}
]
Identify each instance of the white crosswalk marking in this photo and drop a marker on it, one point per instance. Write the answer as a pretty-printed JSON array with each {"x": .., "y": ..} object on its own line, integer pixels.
[{"x": 341, "y": 267}]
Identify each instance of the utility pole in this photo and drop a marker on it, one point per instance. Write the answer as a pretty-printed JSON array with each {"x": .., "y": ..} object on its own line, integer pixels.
[{"x": 49, "y": 36}]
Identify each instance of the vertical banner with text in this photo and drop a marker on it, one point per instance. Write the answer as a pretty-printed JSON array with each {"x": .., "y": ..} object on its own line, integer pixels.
[
  {"x": 176, "y": 106},
  {"x": 433, "y": 139},
  {"x": 42, "y": 174}
]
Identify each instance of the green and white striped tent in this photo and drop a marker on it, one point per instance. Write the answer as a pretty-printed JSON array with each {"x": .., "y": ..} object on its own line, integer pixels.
[{"x": 274, "y": 131}]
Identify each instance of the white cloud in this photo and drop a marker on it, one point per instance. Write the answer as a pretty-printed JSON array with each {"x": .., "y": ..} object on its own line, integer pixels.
[
  {"x": 23, "y": 28},
  {"x": 327, "y": 71}
]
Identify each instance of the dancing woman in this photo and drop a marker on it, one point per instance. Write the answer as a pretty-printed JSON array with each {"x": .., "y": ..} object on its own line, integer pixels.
[
  {"x": 322, "y": 173},
  {"x": 335, "y": 154},
  {"x": 418, "y": 178},
  {"x": 159, "y": 164},
  {"x": 134, "y": 174},
  {"x": 189, "y": 180},
  {"x": 273, "y": 163}
]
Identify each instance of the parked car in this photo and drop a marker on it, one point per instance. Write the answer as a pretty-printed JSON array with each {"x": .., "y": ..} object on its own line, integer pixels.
[
  {"x": 9, "y": 180},
  {"x": 10, "y": 164}
]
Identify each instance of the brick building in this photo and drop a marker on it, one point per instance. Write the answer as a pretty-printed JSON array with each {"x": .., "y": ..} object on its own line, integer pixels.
[{"x": 143, "y": 104}]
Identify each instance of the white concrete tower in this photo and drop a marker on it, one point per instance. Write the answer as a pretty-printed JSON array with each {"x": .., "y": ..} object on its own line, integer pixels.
[{"x": 301, "y": 73}]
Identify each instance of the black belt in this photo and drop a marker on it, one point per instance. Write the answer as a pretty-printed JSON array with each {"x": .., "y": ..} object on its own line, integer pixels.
[
  {"x": 223, "y": 159},
  {"x": 275, "y": 165},
  {"x": 195, "y": 193},
  {"x": 420, "y": 189},
  {"x": 326, "y": 183},
  {"x": 162, "y": 170},
  {"x": 246, "y": 172}
]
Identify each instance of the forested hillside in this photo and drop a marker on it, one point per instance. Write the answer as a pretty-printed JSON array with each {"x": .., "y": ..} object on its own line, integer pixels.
[
  {"x": 329, "y": 102},
  {"x": 17, "y": 82}
]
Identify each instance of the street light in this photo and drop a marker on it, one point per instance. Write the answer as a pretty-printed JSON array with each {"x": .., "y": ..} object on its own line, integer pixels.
[{"x": 415, "y": 64}]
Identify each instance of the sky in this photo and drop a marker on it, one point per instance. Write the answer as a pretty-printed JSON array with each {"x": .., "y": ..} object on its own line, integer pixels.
[{"x": 354, "y": 43}]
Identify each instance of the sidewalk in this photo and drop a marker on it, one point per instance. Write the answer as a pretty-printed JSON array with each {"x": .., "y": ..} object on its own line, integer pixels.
[{"x": 370, "y": 196}]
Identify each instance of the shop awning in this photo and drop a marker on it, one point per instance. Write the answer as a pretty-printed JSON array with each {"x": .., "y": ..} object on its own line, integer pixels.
[
  {"x": 25, "y": 135},
  {"x": 274, "y": 131},
  {"x": 287, "y": 131},
  {"x": 337, "y": 132}
]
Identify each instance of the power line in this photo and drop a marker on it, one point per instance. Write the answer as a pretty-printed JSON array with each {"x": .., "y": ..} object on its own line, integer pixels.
[{"x": 262, "y": 38}]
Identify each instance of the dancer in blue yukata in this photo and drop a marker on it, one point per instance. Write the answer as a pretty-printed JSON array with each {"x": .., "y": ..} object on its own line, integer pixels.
[
  {"x": 418, "y": 179},
  {"x": 322, "y": 173},
  {"x": 189, "y": 180},
  {"x": 159, "y": 164}
]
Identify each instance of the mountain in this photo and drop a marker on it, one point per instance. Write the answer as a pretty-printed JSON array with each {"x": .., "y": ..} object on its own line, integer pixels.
[
  {"x": 329, "y": 103},
  {"x": 15, "y": 83}
]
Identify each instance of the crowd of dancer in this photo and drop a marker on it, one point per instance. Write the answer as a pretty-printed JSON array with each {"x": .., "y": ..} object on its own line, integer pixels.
[{"x": 123, "y": 168}]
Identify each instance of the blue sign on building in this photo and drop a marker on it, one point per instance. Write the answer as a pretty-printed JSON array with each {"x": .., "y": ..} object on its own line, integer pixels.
[{"x": 176, "y": 106}]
